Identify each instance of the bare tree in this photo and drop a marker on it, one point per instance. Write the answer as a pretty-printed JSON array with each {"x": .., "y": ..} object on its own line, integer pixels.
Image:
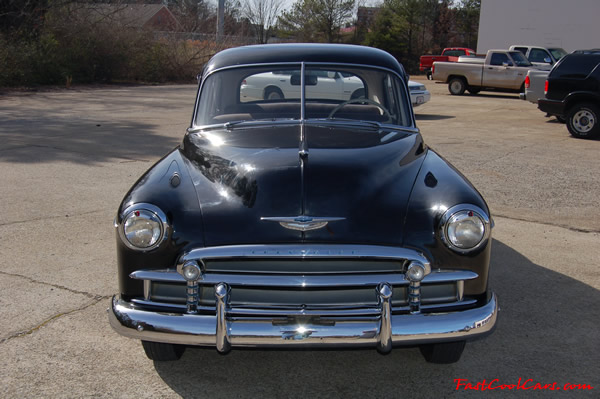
[
  {"x": 316, "y": 20},
  {"x": 262, "y": 15}
]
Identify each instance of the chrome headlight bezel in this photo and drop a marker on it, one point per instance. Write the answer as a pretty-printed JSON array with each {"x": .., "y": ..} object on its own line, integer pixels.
[
  {"x": 155, "y": 213},
  {"x": 451, "y": 214}
]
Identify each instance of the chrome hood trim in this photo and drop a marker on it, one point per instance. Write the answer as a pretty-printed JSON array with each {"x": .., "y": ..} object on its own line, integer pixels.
[{"x": 302, "y": 223}]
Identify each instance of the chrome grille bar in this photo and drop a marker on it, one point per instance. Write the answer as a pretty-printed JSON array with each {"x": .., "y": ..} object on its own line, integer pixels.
[
  {"x": 304, "y": 251},
  {"x": 304, "y": 281}
]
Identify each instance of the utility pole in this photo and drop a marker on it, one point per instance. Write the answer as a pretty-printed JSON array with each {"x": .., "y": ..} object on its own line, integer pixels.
[{"x": 220, "y": 20}]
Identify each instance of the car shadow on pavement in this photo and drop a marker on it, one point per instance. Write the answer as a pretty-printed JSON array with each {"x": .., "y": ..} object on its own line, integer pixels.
[
  {"x": 38, "y": 133},
  {"x": 488, "y": 94},
  {"x": 432, "y": 117},
  {"x": 548, "y": 330}
]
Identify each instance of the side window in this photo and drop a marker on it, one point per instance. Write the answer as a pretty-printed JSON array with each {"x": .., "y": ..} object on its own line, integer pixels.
[
  {"x": 575, "y": 66},
  {"x": 455, "y": 53},
  {"x": 498, "y": 59},
  {"x": 538, "y": 55}
]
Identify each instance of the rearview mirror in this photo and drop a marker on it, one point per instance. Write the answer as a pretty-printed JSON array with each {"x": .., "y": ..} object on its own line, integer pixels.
[{"x": 310, "y": 80}]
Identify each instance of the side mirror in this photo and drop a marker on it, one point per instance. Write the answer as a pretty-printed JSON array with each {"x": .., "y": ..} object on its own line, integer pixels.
[
  {"x": 547, "y": 60},
  {"x": 507, "y": 64}
]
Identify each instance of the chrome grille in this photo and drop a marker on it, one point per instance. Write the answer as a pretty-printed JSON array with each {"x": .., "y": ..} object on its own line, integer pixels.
[{"x": 296, "y": 279}]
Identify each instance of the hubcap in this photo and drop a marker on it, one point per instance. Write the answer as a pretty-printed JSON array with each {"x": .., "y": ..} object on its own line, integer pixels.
[
  {"x": 584, "y": 121},
  {"x": 455, "y": 87},
  {"x": 273, "y": 96}
]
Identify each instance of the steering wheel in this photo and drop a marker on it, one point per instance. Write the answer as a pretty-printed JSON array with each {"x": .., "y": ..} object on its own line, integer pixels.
[{"x": 361, "y": 100}]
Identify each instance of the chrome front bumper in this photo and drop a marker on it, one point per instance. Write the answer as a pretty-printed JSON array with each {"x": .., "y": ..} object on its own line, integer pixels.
[{"x": 225, "y": 331}]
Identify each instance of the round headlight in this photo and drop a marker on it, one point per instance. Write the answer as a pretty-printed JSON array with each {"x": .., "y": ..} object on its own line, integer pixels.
[
  {"x": 144, "y": 226},
  {"x": 464, "y": 229}
]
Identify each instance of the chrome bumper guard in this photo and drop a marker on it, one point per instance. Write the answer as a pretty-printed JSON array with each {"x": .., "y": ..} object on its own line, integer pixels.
[{"x": 225, "y": 332}]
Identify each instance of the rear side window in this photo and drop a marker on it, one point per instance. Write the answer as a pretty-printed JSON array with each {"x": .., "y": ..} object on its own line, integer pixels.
[
  {"x": 522, "y": 49},
  {"x": 576, "y": 66}
]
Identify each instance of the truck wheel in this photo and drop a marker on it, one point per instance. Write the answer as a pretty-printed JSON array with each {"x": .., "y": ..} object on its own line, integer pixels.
[
  {"x": 429, "y": 75},
  {"x": 582, "y": 121},
  {"x": 273, "y": 93},
  {"x": 443, "y": 353},
  {"x": 457, "y": 86},
  {"x": 161, "y": 352}
]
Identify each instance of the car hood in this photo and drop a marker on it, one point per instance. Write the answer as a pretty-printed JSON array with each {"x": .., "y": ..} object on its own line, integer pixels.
[{"x": 249, "y": 178}]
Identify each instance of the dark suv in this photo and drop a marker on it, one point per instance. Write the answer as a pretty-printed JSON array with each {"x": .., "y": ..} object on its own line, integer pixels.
[{"x": 573, "y": 93}]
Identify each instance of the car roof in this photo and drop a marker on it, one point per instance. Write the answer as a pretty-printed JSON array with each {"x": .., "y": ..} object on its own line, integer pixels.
[
  {"x": 303, "y": 52},
  {"x": 595, "y": 51}
]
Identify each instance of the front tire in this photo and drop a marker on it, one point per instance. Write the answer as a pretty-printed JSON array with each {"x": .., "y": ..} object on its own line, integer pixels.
[
  {"x": 161, "y": 352},
  {"x": 457, "y": 86},
  {"x": 443, "y": 353},
  {"x": 582, "y": 121}
]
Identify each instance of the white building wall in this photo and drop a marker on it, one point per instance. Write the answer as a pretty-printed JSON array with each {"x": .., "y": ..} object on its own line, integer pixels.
[{"x": 570, "y": 24}]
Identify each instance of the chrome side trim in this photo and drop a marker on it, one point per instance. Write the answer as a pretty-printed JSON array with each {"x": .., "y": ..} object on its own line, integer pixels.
[{"x": 406, "y": 329}]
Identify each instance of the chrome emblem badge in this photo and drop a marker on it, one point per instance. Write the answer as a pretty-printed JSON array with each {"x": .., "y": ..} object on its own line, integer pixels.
[{"x": 302, "y": 223}]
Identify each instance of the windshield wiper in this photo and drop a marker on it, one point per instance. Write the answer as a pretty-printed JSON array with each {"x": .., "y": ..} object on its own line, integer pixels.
[{"x": 373, "y": 124}]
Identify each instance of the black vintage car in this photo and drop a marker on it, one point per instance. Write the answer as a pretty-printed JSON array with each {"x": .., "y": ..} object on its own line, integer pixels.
[
  {"x": 313, "y": 217},
  {"x": 573, "y": 93}
]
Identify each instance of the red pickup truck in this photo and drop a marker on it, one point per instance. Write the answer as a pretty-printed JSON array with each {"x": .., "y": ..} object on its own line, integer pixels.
[{"x": 449, "y": 54}]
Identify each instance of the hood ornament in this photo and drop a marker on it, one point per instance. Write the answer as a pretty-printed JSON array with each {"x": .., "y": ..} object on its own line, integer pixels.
[{"x": 302, "y": 223}]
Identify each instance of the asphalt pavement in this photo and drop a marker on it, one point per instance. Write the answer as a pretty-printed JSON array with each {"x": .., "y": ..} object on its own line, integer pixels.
[{"x": 67, "y": 157}]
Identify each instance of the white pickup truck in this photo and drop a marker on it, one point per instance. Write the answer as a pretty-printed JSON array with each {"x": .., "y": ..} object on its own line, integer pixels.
[{"x": 502, "y": 70}]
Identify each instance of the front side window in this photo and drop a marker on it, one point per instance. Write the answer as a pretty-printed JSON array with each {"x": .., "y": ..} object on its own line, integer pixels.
[{"x": 275, "y": 92}]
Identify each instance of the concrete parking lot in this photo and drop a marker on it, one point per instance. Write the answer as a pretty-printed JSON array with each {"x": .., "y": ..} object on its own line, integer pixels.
[{"x": 67, "y": 157}]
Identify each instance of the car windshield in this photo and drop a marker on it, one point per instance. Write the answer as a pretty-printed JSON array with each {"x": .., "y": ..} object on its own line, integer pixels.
[
  {"x": 557, "y": 53},
  {"x": 519, "y": 59},
  {"x": 274, "y": 93}
]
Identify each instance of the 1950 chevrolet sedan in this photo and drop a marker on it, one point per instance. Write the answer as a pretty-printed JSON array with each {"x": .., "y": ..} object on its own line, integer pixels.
[{"x": 309, "y": 219}]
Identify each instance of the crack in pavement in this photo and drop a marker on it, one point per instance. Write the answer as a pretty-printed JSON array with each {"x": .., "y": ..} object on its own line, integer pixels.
[
  {"x": 32, "y": 280},
  {"x": 57, "y": 316},
  {"x": 562, "y": 226},
  {"x": 51, "y": 217}
]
